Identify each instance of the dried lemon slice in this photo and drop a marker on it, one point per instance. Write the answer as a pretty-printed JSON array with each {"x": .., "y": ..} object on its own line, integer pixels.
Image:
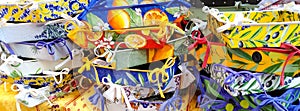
[
  {"x": 135, "y": 41},
  {"x": 155, "y": 17}
]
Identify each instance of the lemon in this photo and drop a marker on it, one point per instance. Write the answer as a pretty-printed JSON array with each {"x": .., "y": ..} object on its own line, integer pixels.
[
  {"x": 155, "y": 17},
  {"x": 135, "y": 41},
  {"x": 118, "y": 19}
]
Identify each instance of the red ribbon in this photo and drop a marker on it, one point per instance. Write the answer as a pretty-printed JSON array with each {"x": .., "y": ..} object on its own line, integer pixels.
[
  {"x": 285, "y": 48},
  {"x": 199, "y": 40}
]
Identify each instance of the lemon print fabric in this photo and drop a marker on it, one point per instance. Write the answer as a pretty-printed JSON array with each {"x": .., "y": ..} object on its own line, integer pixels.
[
  {"x": 45, "y": 11},
  {"x": 124, "y": 14},
  {"x": 266, "y": 29}
]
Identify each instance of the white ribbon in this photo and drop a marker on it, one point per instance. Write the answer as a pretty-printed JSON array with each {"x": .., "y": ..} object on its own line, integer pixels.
[
  {"x": 238, "y": 20},
  {"x": 115, "y": 92},
  {"x": 108, "y": 52},
  {"x": 75, "y": 52},
  {"x": 32, "y": 92},
  {"x": 53, "y": 74},
  {"x": 11, "y": 61},
  {"x": 66, "y": 18},
  {"x": 3, "y": 22}
]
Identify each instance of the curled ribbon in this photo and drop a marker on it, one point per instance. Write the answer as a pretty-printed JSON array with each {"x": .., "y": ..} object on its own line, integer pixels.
[
  {"x": 95, "y": 98},
  {"x": 87, "y": 66},
  {"x": 53, "y": 74},
  {"x": 294, "y": 51},
  {"x": 238, "y": 20},
  {"x": 275, "y": 101},
  {"x": 108, "y": 52},
  {"x": 115, "y": 92},
  {"x": 161, "y": 72},
  {"x": 286, "y": 48},
  {"x": 176, "y": 100},
  {"x": 199, "y": 40},
  {"x": 49, "y": 45},
  {"x": 32, "y": 92}
]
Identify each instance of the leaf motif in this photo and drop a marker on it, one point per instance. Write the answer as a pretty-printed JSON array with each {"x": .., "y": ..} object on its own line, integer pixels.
[
  {"x": 256, "y": 33},
  {"x": 252, "y": 43},
  {"x": 297, "y": 62},
  {"x": 212, "y": 90},
  {"x": 229, "y": 53},
  {"x": 132, "y": 78},
  {"x": 275, "y": 27},
  {"x": 135, "y": 20},
  {"x": 119, "y": 81},
  {"x": 141, "y": 79},
  {"x": 14, "y": 74},
  {"x": 38, "y": 71},
  {"x": 261, "y": 41},
  {"x": 93, "y": 19},
  {"x": 125, "y": 82},
  {"x": 272, "y": 68},
  {"x": 295, "y": 39},
  {"x": 254, "y": 68},
  {"x": 293, "y": 32},
  {"x": 239, "y": 62},
  {"x": 108, "y": 76},
  {"x": 245, "y": 34},
  {"x": 241, "y": 54},
  {"x": 249, "y": 101}
]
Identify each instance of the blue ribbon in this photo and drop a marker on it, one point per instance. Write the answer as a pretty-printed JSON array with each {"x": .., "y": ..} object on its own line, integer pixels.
[
  {"x": 233, "y": 75},
  {"x": 49, "y": 45},
  {"x": 183, "y": 2},
  {"x": 95, "y": 98},
  {"x": 91, "y": 5},
  {"x": 170, "y": 103},
  {"x": 9, "y": 48},
  {"x": 205, "y": 101},
  {"x": 275, "y": 101}
]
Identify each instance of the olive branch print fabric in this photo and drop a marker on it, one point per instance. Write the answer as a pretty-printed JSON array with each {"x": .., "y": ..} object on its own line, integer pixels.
[
  {"x": 252, "y": 36},
  {"x": 245, "y": 84},
  {"x": 251, "y": 59}
]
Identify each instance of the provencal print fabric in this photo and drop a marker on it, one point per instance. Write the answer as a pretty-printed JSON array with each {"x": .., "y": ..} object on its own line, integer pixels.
[
  {"x": 262, "y": 34},
  {"x": 46, "y": 10},
  {"x": 244, "y": 84},
  {"x": 250, "y": 59},
  {"x": 213, "y": 97}
]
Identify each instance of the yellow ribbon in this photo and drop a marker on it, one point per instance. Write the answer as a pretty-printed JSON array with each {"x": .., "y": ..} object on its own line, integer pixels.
[
  {"x": 161, "y": 71},
  {"x": 162, "y": 28},
  {"x": 87, "y": 66},
  {"x": 86, "y": 29}
]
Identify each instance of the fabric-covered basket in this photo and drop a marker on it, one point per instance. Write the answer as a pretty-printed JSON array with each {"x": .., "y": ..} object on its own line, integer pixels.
[
  {"x": 39, "y": 10},
  {"x": 239, "y": 82},
  {"x": 157, "y": 78},
  {"x": 252, "y": 29}
]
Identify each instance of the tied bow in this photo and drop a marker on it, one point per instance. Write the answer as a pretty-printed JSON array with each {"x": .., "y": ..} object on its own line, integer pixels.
[
  {"x": 183, "y": 2},
  {"x": 198, "y": 41},
  {"x": 95, "y": 98},
  {"x": 115, "y": 92},
  {"x": 294, "y": 51},
  {"x": 275, "y": 101},
  {"x": 12, "y": 60},
  {"x": 35, "y": 93},
  {"x": 285, "y": 48},
  {"x": 171, "y": 103},
  {"x": 161, "y": 72},
  {"x": 64, "y": 71},
  {"x": 87, "y": 66},
  {"x": 49, "y": 45}
]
